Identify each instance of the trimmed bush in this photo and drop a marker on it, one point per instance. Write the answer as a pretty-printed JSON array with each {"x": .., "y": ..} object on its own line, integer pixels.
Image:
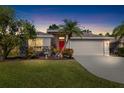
[
  {"x": 14, "y": 52},
  {"x": 121, "y": 52},
  {"x": 31, "y": 53},
  {"x": 54, "y": 51},
  {"x": 67, "y": 53}
]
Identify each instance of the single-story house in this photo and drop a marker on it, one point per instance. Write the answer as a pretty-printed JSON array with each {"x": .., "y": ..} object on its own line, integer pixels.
[{"x": 87, "y": 45}]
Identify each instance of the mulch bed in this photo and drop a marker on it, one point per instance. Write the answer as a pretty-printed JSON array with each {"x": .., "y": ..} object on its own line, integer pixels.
[
  {"x": 53, "y": 58},
  {"x": 42, "y": 58}
]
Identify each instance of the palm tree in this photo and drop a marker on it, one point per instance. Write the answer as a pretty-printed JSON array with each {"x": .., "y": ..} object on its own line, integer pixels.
[
  {"x": 118, "y": 32},
  {"x": 68, "y": 28}
]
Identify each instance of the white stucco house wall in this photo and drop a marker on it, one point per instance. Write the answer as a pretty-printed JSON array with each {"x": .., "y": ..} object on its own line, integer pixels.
[{"x": 41, "y": 40}]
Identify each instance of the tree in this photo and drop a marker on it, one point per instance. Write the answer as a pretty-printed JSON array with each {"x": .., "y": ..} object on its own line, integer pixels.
[
  {"x": 53, "y": 27},
  {"x": 11, "y": 30},
  {"x": 100, "y": 34},
  {"x": 8, "y": 37},
  {"x": 118, "y": 32},
  {"x": 68, "y": 28},
  {"x": 107, "y": 34},
  {"x": 26, "y": 31}
]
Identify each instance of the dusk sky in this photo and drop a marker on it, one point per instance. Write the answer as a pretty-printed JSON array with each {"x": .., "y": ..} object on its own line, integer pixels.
[{"x": 99, "y": 19}]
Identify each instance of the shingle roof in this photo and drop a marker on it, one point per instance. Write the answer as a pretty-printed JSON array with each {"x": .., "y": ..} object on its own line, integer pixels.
[
  {"x": 42, "y": 34},
  {"x": 93, "y": 38}
]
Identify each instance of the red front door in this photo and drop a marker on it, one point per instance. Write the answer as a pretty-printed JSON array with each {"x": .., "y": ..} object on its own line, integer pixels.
[{"x": 61, "y": 44}]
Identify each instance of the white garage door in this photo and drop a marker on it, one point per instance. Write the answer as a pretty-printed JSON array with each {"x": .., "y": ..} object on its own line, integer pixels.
[{"x": 87, "y": 47}]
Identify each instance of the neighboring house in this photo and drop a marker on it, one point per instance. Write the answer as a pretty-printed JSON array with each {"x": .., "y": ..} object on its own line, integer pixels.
[
  {"x": 121, "y": 42},
  {"x": 89, "y": 44},
  {"x": 115, "y": 45}
]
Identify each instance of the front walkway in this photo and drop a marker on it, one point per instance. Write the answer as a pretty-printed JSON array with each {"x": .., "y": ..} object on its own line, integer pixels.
[{"x": 107, "y": 67}]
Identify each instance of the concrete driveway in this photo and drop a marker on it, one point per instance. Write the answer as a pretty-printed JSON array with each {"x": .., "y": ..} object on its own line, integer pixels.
[{"x": 107, "y": 67}]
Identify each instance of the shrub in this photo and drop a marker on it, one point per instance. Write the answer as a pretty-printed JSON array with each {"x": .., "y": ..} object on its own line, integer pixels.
[
  {"x": 1, "y": 57},
  {"x": 54, "y": 51},
  {"x": 121, "y": 51},
  {"x": 67, "y": 53},
  {"x": 14, "y": 52},
  {"x": 31, "y": 53}
]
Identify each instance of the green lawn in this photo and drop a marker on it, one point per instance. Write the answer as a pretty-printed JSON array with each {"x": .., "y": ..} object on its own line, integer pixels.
[{"x": 50, "y": 73}]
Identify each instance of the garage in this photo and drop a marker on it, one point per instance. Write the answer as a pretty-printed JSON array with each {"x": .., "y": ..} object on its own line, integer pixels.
[{"x": 90, "y": 45}]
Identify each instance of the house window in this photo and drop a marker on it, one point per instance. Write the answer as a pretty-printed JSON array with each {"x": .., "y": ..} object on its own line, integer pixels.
[
  {"x": 61, "y": 37},
  {"x": 35, "y": 42}
]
